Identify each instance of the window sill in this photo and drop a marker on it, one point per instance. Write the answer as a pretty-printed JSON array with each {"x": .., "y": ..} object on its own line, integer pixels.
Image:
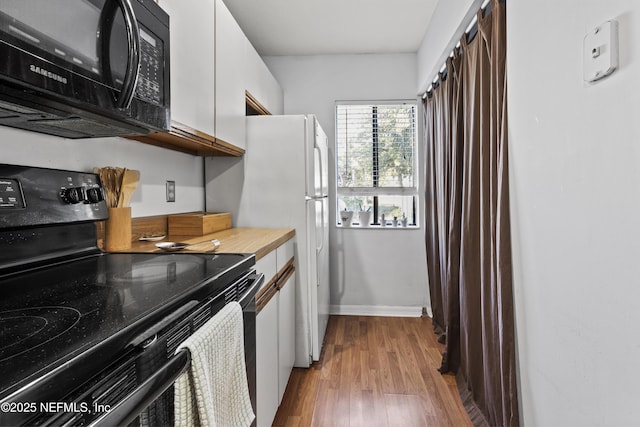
[{"x": 378, "y": 227}]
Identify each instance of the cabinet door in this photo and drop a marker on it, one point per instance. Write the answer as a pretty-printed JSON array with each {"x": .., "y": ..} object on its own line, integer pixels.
[
  {"x": 230, "y": 78},
  {"x": 261, "y": 83},
  {"x": 192, "y": 42},
  {"x": 267, "y": 363},
  {"x": 286, "y": 332}
]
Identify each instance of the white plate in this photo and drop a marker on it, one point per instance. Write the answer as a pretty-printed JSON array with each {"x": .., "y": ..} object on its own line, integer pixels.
[{"x": 152, "y": 238}]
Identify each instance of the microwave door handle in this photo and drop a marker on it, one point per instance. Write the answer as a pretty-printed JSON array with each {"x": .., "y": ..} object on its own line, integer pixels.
[{"x": 133, "y": 55}]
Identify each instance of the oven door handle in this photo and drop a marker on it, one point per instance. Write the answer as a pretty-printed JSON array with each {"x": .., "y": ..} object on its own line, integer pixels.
[
  {"x": 258, "y": 280},
  {"x": 134, "y": 403}
]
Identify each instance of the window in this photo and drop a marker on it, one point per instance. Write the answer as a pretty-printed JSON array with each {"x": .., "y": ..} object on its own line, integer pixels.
[{"x": 376, "y": 164}]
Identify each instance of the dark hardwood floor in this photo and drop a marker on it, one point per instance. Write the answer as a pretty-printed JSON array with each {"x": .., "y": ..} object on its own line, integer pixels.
[{"x": 374, "y": 371}]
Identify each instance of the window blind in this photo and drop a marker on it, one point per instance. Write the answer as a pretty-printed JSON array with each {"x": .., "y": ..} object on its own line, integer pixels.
[{"x": 376, "y": 148}]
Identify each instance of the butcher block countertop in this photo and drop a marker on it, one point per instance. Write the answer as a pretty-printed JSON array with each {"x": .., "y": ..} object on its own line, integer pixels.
[{"x": 258, "y": 241}]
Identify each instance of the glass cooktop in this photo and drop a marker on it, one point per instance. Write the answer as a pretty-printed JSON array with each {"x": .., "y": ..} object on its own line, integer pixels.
[{"x": 50, "y": 315}]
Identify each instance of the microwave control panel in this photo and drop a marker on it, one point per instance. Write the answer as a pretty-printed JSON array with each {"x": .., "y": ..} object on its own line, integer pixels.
[{"x": 149, "y": 87}]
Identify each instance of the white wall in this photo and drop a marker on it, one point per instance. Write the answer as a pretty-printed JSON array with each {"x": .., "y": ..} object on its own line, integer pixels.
[
  {"x": 156, "y": 166},
  {"x": 575, "y": 195},
  {"x": 575, "y": 192},
  {"x": 447, "y": 24},
  {"x": 376, "y": 271}
]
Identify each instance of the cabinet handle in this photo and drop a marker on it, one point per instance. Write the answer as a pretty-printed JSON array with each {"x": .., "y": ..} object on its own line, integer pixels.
[
  {"x": 266, "y": 296},
  {"x": 284, "y": 278}
]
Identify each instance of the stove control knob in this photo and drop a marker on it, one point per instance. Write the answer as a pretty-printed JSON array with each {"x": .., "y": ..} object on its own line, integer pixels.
[
  {"x": 94, "y": 195},
  {"x": 73, "y": 195}
]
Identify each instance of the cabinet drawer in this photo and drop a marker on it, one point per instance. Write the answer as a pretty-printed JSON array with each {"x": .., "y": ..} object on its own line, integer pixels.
[
  {"x": 268, "y": 266},
  {"x": 284, "y": 254}
]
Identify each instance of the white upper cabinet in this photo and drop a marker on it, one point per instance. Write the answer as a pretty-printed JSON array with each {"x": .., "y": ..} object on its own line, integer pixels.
[
  {"x": 213, "y": 65},
  {"x": 230, "y": 78},
  {"x": 192, "y": 62},
  {"x": 261, "y": 84}
]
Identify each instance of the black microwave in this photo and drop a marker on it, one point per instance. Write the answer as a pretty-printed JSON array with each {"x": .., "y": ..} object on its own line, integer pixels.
[{"x": 84, "y": 68}]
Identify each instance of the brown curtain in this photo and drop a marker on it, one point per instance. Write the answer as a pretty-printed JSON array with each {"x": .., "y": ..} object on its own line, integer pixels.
[
  {"x": 438, "y": 121},
  {"x": 468, "y": 240},
  {"x": 433, "y": 233}
]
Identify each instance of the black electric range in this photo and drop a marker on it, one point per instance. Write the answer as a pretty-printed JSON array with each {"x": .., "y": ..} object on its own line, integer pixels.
[{"x": 68, "y": 310}]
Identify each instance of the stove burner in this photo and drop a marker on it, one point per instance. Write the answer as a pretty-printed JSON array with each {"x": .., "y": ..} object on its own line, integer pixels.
[{"x": 28, "y": 328}]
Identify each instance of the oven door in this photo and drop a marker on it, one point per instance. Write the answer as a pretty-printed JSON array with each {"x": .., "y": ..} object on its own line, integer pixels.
[
  {"x": 151, "y": 403},
  {"x": 109, "y": 55}
]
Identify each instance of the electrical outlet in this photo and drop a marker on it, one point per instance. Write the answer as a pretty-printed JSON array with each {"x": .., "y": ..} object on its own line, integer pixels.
[{"x": 171, "y": 191}]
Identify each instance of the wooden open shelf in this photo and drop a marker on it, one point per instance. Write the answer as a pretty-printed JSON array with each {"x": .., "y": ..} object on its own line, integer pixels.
[{"x": 189, "y": 140}]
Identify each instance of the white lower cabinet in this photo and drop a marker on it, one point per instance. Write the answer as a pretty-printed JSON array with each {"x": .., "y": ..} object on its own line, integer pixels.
[
  {"x": 267, "y": 364},
  {"x": 286, "y": 332},
  {"x": 275, "y": 331}
]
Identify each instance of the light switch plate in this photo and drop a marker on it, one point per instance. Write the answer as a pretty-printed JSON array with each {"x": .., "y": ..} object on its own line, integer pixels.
[{"x": 600, "y": 52}]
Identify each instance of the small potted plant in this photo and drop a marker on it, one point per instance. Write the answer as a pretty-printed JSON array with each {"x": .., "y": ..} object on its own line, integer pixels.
[
  {"x": 365, "y": 217},
  {"x": 346, "y": 217}
]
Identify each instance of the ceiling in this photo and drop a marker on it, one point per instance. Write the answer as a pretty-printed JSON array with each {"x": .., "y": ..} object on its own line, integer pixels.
[{"x": 317, "y": 27}]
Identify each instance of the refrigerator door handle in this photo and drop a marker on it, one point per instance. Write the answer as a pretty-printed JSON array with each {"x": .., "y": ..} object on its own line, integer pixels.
[
  {"x": 321, "y": 247},
  {"x": 307, "y": 198},
  {"x": 321, "y": 168}
]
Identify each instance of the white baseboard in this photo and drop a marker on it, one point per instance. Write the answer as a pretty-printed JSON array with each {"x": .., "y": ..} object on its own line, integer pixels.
[{"x": 375, "y": 310}]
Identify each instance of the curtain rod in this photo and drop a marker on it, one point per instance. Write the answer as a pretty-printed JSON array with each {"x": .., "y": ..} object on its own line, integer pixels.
[{"x": 470, "y": 32}]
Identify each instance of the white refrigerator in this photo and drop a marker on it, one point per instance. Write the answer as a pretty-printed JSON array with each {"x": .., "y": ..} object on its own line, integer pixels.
[{"x": 282, "y": 182}]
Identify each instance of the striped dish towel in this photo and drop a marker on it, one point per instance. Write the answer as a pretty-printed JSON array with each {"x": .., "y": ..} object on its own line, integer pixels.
[{"x": 214, "y": 391}]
